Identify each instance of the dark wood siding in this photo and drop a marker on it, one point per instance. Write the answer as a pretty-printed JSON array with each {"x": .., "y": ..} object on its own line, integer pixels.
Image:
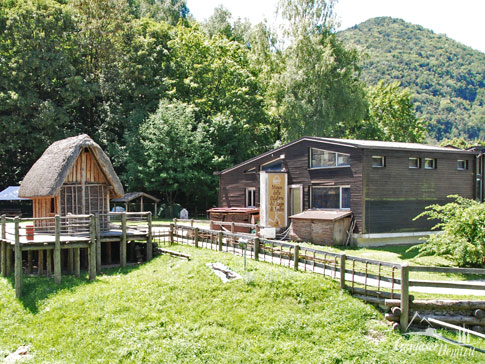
[
  {"x": 233, "y": 183},
  {"x": 395, "y": 194}
]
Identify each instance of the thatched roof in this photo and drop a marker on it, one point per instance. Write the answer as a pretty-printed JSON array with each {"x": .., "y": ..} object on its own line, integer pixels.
[{"x": 47, "y": 175}]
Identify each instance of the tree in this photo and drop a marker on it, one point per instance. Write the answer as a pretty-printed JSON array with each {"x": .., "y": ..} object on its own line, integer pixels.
[
  {"x": 462, "y": 238},
  {"x": 168, "y": 11},
  {"x": 319, "y": 89},
  {"x": 171, "y": 154},
  {"x": 391, "y": 116}
]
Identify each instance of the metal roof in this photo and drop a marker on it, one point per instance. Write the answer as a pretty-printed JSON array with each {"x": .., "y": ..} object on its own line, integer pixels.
[
  {"x": 330, "y": 215},
  {"x": 355, "y": 143},
  {"x": 11, "y": 193}
]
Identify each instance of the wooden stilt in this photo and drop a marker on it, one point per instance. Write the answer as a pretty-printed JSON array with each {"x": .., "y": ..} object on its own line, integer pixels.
[
  {"x": 18, "y": 261},
  {"x": 29, "y": 262},
  {"x": 9, "y": 259},
  {"x": 48, "y": 269},
  {"x": 98, "y": 244},
  {"x": 132, "y": 252},
  {"x": 149, "y": 237},
  {"x": 109, "y": 257},
  {"x": 123, "y": 240},
  {"x": 40, "y": 262},
  {"x": 92, "y": 249},
  {"x": 70, "y": 261},
  {"x": 57, "y": 251},
  {"x": 3, "y": 262},
  {"x": 77, "y": 262}
]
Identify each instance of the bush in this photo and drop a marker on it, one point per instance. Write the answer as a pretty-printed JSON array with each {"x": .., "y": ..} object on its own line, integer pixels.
[{"x": 462, "y": 239}]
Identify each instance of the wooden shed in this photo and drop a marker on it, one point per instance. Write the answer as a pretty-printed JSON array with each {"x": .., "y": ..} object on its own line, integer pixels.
[
  {"x": 242, "y": 215},
  {"x": 323, "y": 227},
  {"x": 73, "y": 176}
]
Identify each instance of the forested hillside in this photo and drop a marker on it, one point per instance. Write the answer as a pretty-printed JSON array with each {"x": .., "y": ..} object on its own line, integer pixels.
[{"x": 447, "y": 77}]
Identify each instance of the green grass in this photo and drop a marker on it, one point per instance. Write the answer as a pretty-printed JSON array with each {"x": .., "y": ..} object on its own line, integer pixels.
[{"x": 175, "y": 311}]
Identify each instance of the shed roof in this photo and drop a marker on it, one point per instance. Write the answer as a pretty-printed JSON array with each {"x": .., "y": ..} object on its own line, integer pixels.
[
  {"x": 355, "y": 143},
  {"x": 134, "y": 195},
  {"x": 48, "y": 174},
  {"x": 330, "y": 215},
  {"x": 11, "y": 193}
]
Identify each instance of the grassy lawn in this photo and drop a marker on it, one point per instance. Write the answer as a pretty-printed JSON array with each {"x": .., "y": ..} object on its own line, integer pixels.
[{"x": 173, "y": 311}]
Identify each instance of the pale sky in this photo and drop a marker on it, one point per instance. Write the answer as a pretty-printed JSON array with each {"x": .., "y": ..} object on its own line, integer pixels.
[{"x": 462, "y": 20}]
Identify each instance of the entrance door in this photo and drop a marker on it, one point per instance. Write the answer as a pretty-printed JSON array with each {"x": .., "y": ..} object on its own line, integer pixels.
[{"x": 296, "y": 199}]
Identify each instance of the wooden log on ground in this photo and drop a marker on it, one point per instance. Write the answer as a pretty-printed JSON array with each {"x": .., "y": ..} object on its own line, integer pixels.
[
  {"x": 458, "y": 320},
  {"x": 57, "y": 251},
  {"x": 371, "y": 292},
  {"x": 391, "y": 317},
  {"x": 389, "y": 302},
  {"x": 479, "y": 313},
  {"x": 440, "y": 305},
  {"x": 18, "y": 261},
  {"x": 396, "y": 311},
  {"x": 396, "y": 326},
  {"x": 174, "y": 253},
  {"x": 370, "y": 299},
  {"x": 479, "y": 329},
  {"x": 77, "y": 262}
]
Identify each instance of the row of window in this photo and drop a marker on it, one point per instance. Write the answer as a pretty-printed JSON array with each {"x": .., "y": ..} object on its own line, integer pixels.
[
  {"x": 415, "y": 162},
  {"x": 321, "y": 197}
]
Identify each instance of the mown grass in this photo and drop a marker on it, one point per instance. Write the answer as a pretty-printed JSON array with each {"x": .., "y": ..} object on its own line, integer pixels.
[{"x": 175, "y": 311}]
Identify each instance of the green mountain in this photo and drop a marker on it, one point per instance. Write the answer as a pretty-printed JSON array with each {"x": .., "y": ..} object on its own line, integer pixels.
[{"x": 447, "y": 77}]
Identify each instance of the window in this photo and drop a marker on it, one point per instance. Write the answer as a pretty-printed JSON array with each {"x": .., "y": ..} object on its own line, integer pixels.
[
  {"x": 320, "y": 158},
  {"x": 378, "y": 161},
  {"x": 461, "y": 165},
  {"x": 251, "y": 197},
  {"x": 274, "y": 166},
  {"x": 429, "y": 163},
  {"x": 53, "y": 206},
  {"x": 330, "y": 197},
  {"x": 414, "y": 162}
]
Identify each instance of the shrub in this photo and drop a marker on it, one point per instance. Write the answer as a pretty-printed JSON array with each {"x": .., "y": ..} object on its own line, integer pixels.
[{"x": 462, "y": 238}]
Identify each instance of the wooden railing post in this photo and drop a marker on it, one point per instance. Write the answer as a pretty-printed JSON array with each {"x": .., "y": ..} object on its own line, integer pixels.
[
  {"x": 219, "y": 240},
  {"x": 170, "y": 234},
  {"x": 257, "y": 230},
  {"x": 4, "y": 226},
  {"x": 98, "y": 243},
  {"x": 191, "y": 222},
  {"x": 256, "y": 249},
  {"x": 77, "y": 262},
  {"x": 123, "y": 240},
  {"x": 18, "y": 260},
  {"x": 296, "y": 257},
  {"x": 404, "y": 296},
  {"x": 196, "y": 237},
  {"x": 92, "y": 248},
  {"x": 57, "y": 251},
  {"x": 149, "y": 237},
  {"x": 342, "y": 271},
  {"x": 3, "y": 248}
]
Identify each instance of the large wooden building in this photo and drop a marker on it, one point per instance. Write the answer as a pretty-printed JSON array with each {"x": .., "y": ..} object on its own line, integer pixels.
[
  {"x": 73, "y": 176},
  {"x": 384, "y": 184}
]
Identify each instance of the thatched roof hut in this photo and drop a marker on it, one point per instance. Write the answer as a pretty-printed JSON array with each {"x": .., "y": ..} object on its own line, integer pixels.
[{"x": 73, "y": 175}]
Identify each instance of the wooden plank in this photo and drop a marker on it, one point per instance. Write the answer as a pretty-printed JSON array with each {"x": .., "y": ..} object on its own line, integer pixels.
[
  {"x": 57, "y": 251},
  {"x": 77, "y": 262},
  {"x": 18, "y": 260},
  {"x": 123, "y": 241},
  {"x": 447, "y": 270},
  {"x": 445, "y": 284}
]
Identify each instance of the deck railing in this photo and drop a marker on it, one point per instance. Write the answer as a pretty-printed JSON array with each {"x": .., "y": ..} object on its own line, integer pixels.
[{"x": 372, "y": 280}]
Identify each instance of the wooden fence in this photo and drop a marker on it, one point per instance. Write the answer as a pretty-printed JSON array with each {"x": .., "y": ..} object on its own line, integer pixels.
[{"x": 384, "y": 283}]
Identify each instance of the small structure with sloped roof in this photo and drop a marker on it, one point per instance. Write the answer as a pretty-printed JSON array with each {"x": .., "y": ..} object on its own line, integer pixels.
[
  {"x": 73, "y": 176},
  {"x": 133, "y": 196}
]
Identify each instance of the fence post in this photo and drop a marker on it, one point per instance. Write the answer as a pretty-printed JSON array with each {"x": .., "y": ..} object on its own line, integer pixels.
[
  {"x": 233, "y": 228},
  {"x": 92, "y": 248},
  {"x": 196, "y": 237},
  {"x": 149, "y": 237},
  {"x": 219, "y": 240},
  {"x": 256, "y": 249},
  {"x": 3, "y": 248},
  {"x": 296, "y": 257},
  {"x": 342, "y": 271},
  {"x": 191, "y": 222},
  {"x": 170, "y": 234},
  {"x": 18, "y": 260},
  {"x": 98, "y": 243},
  {"x": 257, "y": 230},
  {"x": 404, "y": 296},
  {"x": 4, "y": 227},
  {"x": 57, "y": 251},
  {"x": 123, "y": 240}
]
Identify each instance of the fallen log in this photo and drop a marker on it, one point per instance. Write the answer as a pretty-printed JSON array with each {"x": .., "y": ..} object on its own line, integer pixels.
[
  {"x": 391, "y": 317},
  {"x": 174, "y": 253},
  {"x": 370, "y": 299},
  {"x": 455, "y": 320}
]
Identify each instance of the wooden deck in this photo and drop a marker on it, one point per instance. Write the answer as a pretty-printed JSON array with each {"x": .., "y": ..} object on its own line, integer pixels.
[{"x": 16, "y": 247}]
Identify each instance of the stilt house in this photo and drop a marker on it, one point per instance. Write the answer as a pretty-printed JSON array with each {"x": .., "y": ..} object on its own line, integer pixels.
[{"x": 73, "y": 176}]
